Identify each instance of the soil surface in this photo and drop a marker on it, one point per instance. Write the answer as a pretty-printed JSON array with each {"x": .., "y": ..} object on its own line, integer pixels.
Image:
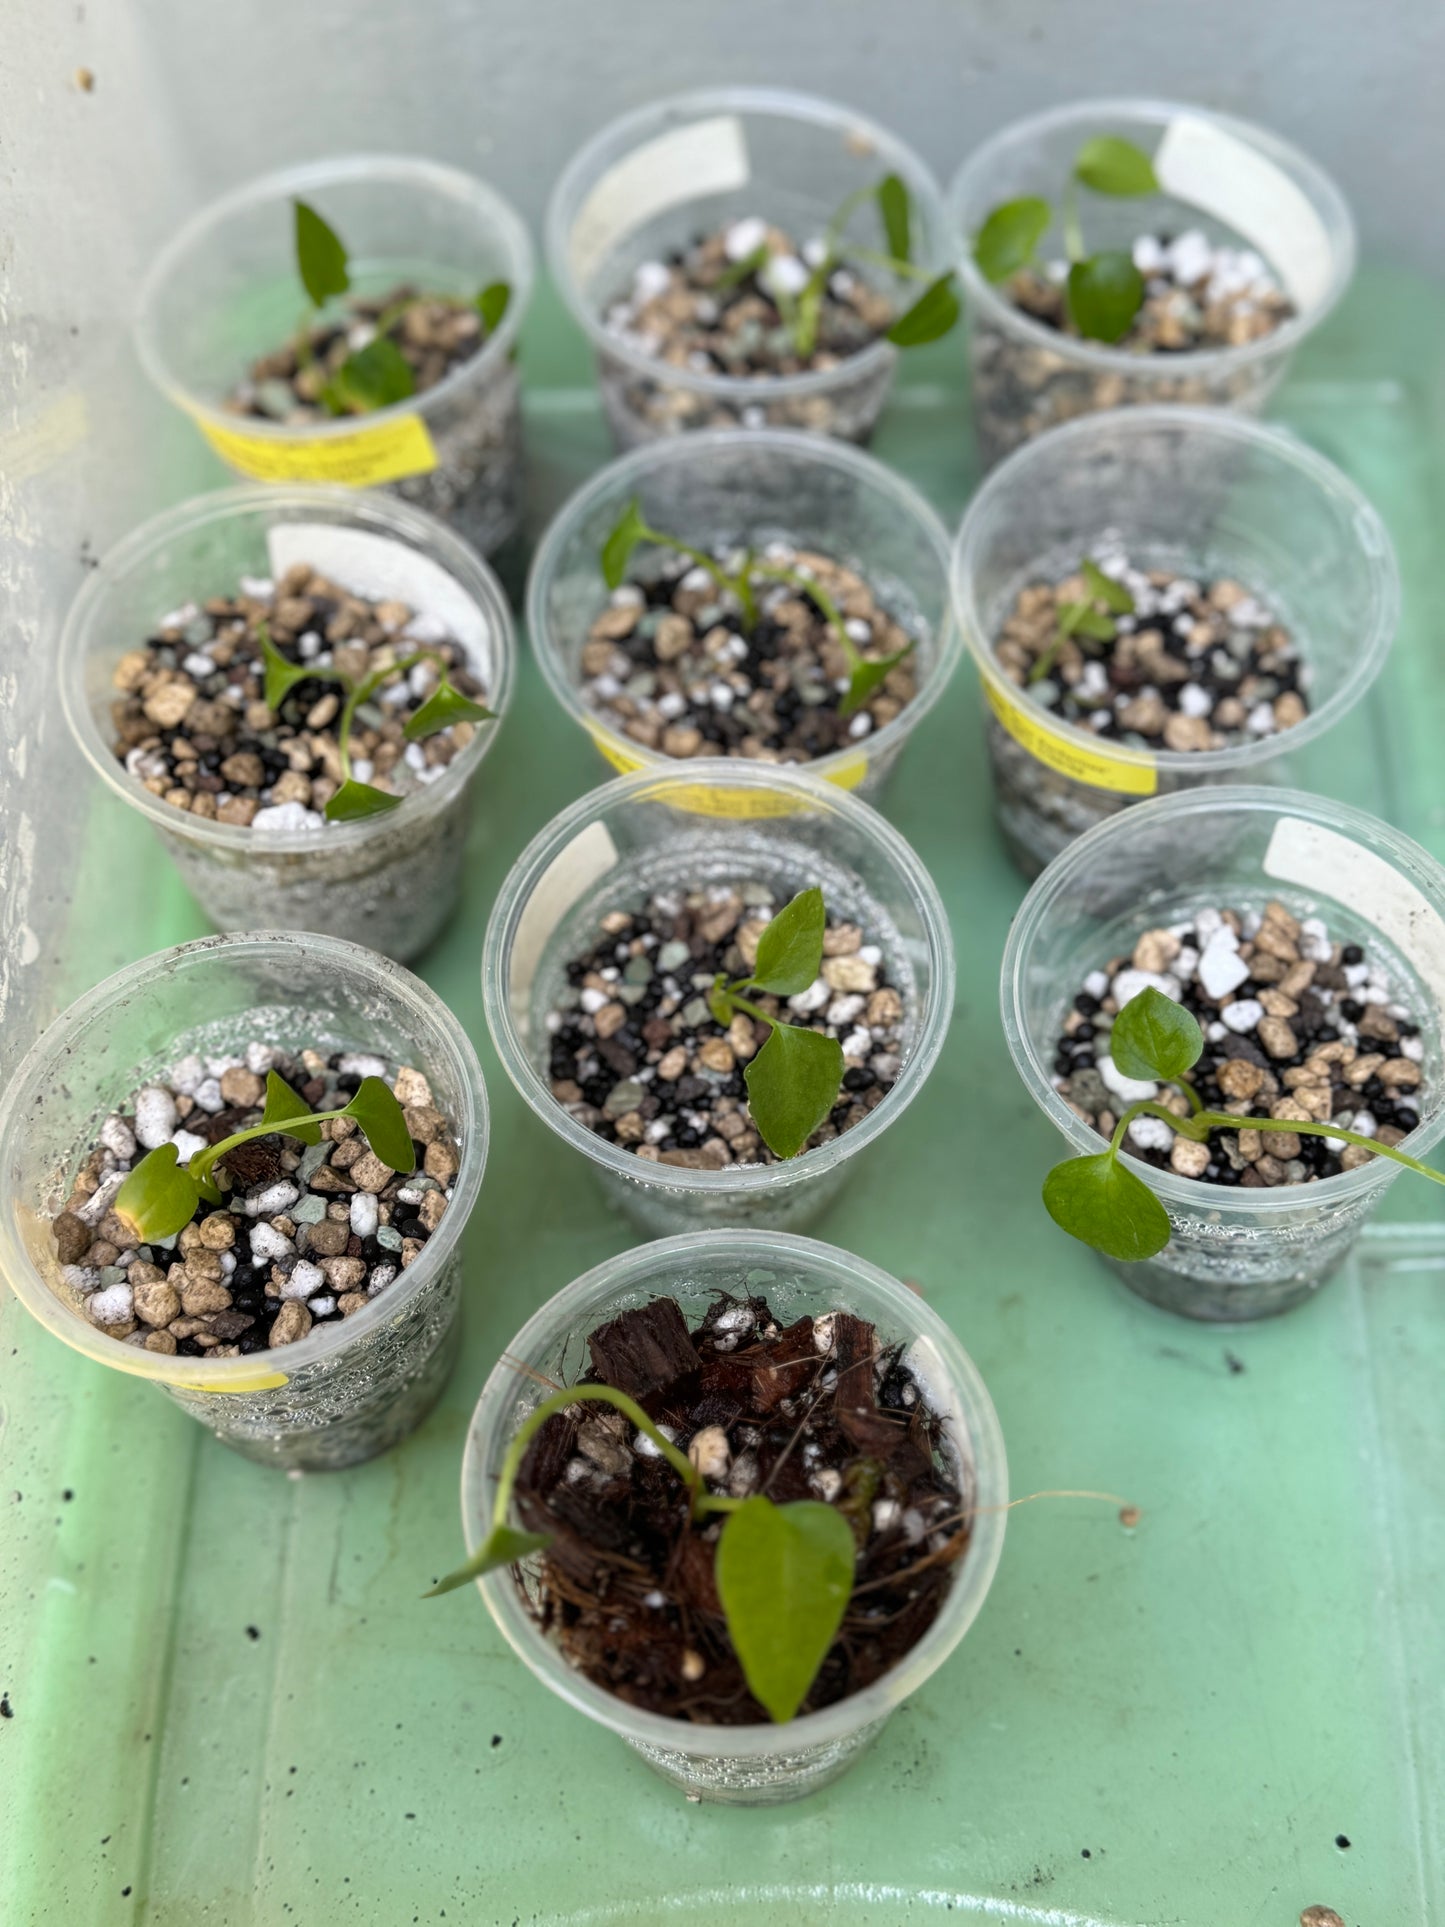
[
  {"x": 814, "y": 1410},
  {"x": 671, "y": 664},
  {"x": 307, "y": 1234},
  {"x": 637, "y": 1057},
  {"x": 1297, "y": 1026},
  {"x": 698, "y": 309},
  {"x": 1197, "y": 296},
  {"x": 1200, "y": 664},
  {"x": 434, "y": 336},
  {"x": 192, "y": 724}
]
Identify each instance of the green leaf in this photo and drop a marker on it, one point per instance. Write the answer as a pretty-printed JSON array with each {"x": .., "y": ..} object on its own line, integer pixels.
[
  {"x": 720, "y": 1004},
  {"x": 492, "y": 303},
  {"x": 383, "y": 1124},
  {"x": 932, "y": 315},
  {"x": 897, "y": 212},
  {"x": 737, "y": 272},
  {"x": 1105, "y": 294},
  {"x": 284, "y": 1107},
  {"x": 1153, "y": 1037},
  {"x": 354, "y": 800},
  {"x": 617, "y": 549},
  {"x": 159, "y": 1197},
  {"x": 1098, "y": 1201},
  {"x": 1110, "y": 165},
  {"x": 282, "y": 676},
  {"x": 790, "y": 949},
  {"x": 784, "y": 1575},
  {"x": 443, "y": 707},
  {"x": 320, "y": 257},
  {"x": 1105, "y": 589},
  {"x": 503, "y": 1546},
  {"x": 376, "y": 376},
  {"x": 867, "y": 674},
  {"x": 1091, "y": 622},
  {"x": 1008, "y": 238},
  {"x": 793, "y": 1083}
]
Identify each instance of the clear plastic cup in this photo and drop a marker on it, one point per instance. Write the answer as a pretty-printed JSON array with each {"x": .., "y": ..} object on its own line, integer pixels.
[
  {"x": 758, "y": 1765},
  {"x": 657, "y": 830},
  {"x": 660, "y": 178},
  {"x": 388, "y": 881},
  {"x": 752, "y": 485},
  {"x": 1233, "y": 181},
  {"x": 1191, "y": 489},
  {"x": 354, "y": 1387},
  {"x": 225, "y": 291},
  {"x": 1234, "y": 1254}
]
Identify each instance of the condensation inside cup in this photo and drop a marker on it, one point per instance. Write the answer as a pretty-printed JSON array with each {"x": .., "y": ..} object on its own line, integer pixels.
[
  {"x": 1224, "y": 1260},
  {"x": 784, "y": 1772},
  {"x": 561, "y": 922}
]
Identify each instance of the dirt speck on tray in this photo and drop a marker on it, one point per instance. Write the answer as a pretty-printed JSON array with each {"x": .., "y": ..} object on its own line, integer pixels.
[
  {"x": 670, "y": 664},
  {"x": 817, "y": 1409},
  {"x": 306, "y": 1235},
  {"x": 635, "y": 1054}
]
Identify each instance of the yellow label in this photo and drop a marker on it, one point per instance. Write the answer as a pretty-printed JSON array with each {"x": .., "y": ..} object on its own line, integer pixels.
[
  {"x": 256, "y": 1382},
  {"x": 716, "y": 799},
  {"x": 367, "y": 456},
  {"x": 1096, "y": 767}
]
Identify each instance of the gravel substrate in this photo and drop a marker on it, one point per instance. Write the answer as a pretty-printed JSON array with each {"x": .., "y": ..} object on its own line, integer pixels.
[
  {"x": 308, "y": 1234},
  {"x": 1200, "y": 664},
  {"x": 1197, "y": 296},
  {"x": 1296, "y": 1026},
  {"x": 636, "y": 1056},
  {"x": 677, "y": 312},
  {"x": 669, "y": 665},
  {"x": 434, "y": 337},
  {"x": 191, "y": 721}
]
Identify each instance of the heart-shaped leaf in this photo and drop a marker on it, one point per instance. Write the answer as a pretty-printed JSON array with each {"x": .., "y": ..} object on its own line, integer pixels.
[
  {"x": 1007, "y": 240},
  {"x": 1111, "y": 165},
  {"x": 443, "y": 707},
  {"x": 932, "y": 315},
  {"x": 1098, "y": 1201},
  {"x": 503, "y": 1546},
  {"x": 1105, "y": 294},
  {"x": 617, "y": 549},
  {"x": 376, "y": 376},
  {"x": 354, "y": 800},
  {"x": 383, "y": 1124},
  {"x": 1155, "y": 1038},
  {"x": 320, "y": 257},
  {"x": 284, "y": 1107},
  {"x": 492, "y": 303},
  {"x": 1105, "y": 589},
  {"x": 159, "y": 1197},
  {"x": 784, "y": 1575},
  {"x": 282, "y": 675},
  {"x": 1091, "y": 622},
  {"x": 895, "y": 208},
  {"x": 790, "y": 949},
  {"x": 793, "y": 1084},
  {"x": 867, "y": 674}
]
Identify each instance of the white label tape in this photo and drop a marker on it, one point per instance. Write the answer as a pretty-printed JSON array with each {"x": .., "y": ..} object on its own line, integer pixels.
[
  {"x": 386, "y": 571},
  {"x": 1208, "y": 168},
  {"x": 570, "y": 874},
  {"x": 705, "y": 157},
  {"x": 1332, "y": 866}
]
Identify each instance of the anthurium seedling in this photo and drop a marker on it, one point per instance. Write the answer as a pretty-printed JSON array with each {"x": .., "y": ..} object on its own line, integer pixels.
[
  {"x": 865, "y": 673},
  {"x": 378, "y": 374},
  {"x": 1088, "y": 618},
  {"x": 1096, "y": 1199},
  {"x": 784, "y": 1572},
  {"x": 445, "y": 705},
  {"x": 160, "y": 1195},
  {"x": 1105, "y": 290}
]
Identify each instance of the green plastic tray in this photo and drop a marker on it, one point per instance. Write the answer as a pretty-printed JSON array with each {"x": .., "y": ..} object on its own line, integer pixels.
[{"x": 230, "y": 1708}]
